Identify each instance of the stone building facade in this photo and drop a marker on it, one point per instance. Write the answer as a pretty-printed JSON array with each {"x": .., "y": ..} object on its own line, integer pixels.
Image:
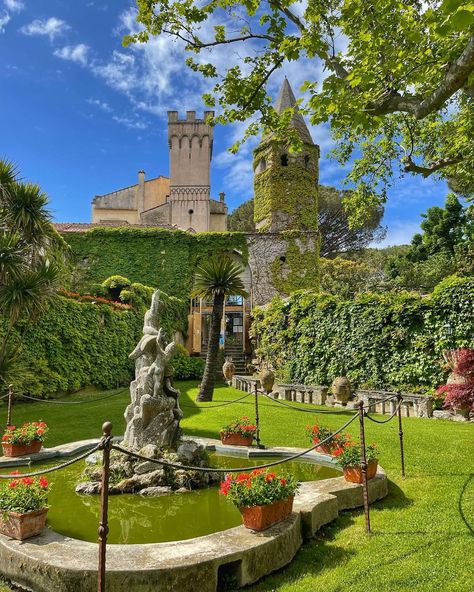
[{"x": 182, "y": 200}]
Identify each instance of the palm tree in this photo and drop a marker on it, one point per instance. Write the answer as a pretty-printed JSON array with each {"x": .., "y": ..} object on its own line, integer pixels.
[
  {"x": 32, "y": 255},
  {"x": 215, "y": 279}
]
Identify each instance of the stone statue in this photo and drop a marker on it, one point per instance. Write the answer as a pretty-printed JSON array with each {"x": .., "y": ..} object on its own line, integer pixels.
[{"x": 153, "y": 416}]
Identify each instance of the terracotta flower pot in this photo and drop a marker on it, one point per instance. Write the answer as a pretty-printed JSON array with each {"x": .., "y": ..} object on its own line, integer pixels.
[
  {"x": 354, "y": 474},
  {"x": 22, "y": 449},
  {"x": 262, "y": 517},
  {"x": 236, "y": 439},
  {"x": 324, "y": 449},
  {"x": 22, "y": 526}
]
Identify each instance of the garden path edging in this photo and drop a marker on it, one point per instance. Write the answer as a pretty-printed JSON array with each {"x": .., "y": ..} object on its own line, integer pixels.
[{"x": 52, "y": 561}]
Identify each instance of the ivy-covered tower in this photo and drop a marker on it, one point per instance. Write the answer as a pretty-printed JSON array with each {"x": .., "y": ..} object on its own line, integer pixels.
[{"x": 285, "y": 184}]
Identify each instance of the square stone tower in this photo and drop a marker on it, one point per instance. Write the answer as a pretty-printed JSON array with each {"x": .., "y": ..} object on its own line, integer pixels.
[{"x": 190, "y": 145}]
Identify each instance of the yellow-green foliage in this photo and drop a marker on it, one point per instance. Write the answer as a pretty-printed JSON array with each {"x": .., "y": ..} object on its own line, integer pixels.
[
  {"x": 298, "y": 268},
  {"x": 291, "y": 190}
]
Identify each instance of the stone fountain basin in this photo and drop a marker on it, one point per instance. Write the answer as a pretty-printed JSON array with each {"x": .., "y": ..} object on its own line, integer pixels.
[{"x": 52, "y": 561}]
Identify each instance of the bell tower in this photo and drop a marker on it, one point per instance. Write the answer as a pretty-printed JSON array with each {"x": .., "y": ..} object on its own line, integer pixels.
[
  {"x": 286, "y": 184},
  {"x": 190, "y": 147}
]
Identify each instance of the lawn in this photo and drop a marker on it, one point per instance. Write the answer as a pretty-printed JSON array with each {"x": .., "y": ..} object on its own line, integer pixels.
[{"x": 423, "y": 533}]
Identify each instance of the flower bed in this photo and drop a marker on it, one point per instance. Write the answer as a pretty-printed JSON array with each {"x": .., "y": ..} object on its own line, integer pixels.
[{"x": 94, "y": 299}]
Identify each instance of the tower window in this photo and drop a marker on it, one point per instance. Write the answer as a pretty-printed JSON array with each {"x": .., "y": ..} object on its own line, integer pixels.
[
  {"x": 191, "y": 212},
  {"x": 306, "y": 161},
  {"x": 284, "y": 160},
  {"x": 262, "y": 165}
]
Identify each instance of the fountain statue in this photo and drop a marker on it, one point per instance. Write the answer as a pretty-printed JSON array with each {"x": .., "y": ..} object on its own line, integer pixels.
[{"x": 153, "y": 415}]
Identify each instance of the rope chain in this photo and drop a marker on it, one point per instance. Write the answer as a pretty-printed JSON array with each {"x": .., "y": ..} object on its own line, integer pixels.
[
  {"x": 217, "y": 405},
  {"x": 58, "y": 402},
  {"x": 240, "y": 469},
  {"x": 389, "y": 418},
  {"x": 57, "y": 467}
]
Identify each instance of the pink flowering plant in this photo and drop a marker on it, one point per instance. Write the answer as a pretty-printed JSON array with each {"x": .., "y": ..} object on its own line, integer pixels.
[
  {"x": 243, "y": 427},
  {"x": 24, "y": 494},
  {"x": 26, "y": 434},
  {"x": 350, "y": 454},
  {"x": 258, "y": 488}
]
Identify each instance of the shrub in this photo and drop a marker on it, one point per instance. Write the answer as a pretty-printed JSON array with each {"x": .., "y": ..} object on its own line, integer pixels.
[
  {"x": 186, "y": 367},
  {"x": 460, "y": 395},
  {"x": 115, "y": 284}
]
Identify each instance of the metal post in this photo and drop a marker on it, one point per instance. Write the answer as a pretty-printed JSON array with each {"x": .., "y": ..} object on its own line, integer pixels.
[
  {"x": 257, "y": 420},
  {"x": 105, "y": 446},
  {"x": 400, "y": 433},
  {"x": 10, "y": 403},
  {"x": 363, "y": 466}
]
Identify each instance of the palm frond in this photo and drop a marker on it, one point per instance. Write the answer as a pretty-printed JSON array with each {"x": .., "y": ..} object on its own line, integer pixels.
[
  {"x": 218, "y": 275},
  {"x": 8, "y": 174},
  {"x": 13, "y": 256},
  {"x": 25, "y": 212},
  {"x": 27, "y": 295}
]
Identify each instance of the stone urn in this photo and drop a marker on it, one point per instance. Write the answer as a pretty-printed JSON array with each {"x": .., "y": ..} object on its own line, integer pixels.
[
  {"x": 228, "y": 370},
  {"x": 267, "y": 380},
  {"x": 341, "y": 389}
]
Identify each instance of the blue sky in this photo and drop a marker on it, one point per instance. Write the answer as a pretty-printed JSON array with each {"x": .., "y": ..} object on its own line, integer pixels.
[{"x": 80, "y": 114}]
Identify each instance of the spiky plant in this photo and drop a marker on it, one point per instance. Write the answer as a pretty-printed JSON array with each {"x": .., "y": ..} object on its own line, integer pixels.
[
  {"x": 215, "y": 279},
  {"x": 32, "y": 255}
]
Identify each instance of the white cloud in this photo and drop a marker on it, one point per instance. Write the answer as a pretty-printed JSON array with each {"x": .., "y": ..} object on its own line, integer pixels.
[
  {"x": 4, "y": 20},
  {"x": 74, "y": 53},
  {"x": 130, "y": 123},
  {"x": 14, "y": 5},
  {"x": 52, "y": 27},
  {"x": 100, "y": 104}
]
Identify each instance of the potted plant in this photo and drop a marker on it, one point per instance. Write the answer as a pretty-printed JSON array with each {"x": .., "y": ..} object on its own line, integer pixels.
[
  {"x": 349, "y": 457},
  {"x": 459, "y": 390},
  {"x": 27, "y": 439},
  {"x": 240, "y": 432},
  {"x": 263, "y": 498},
  {"x": 23, "y": 507},
  {"x": 318, "y": 433}
]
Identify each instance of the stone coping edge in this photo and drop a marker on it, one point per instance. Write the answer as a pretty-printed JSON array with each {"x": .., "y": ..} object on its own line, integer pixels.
[{"x": 52, "y": 561}]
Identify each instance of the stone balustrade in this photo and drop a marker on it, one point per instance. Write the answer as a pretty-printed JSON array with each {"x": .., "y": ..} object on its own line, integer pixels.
[{"x": 378, "y": 401}]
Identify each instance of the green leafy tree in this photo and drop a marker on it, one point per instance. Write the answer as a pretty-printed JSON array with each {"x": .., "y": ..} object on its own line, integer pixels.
[
  {"x": 215, "y": 279},
  {"x": 32, "y": 257},
  {"x": 337, "y": 234},
  {"x": 397, "y": 89}
]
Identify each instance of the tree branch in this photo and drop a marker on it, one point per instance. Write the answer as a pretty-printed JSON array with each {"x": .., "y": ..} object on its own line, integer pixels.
[{"x": 412, "y": 167}]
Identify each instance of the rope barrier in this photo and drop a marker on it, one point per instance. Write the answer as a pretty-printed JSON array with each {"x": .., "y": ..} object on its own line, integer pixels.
[
  {"x": 385, "y": 420},
  {"x": 58, "y": 402},
  {"x": 240, "y": 469},
  {"x": 56, "y": 468},
  {"x": 217, "y": 404}
]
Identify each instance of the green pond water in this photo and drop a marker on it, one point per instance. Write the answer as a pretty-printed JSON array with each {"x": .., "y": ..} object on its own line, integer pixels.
[{"x": 137, "y": 519}]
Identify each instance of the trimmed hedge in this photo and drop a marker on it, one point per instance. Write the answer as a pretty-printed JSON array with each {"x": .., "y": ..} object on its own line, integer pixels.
[
  {"x": 152, "y": 256},
  {"x": 76, "y": 344},
  {"x": 378, "y": 340}
]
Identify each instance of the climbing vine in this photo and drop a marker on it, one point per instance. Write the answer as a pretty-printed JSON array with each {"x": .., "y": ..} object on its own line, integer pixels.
[{"x": 298, "y": 268}]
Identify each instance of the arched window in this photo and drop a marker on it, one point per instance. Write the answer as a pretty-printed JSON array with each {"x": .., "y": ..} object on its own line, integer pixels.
[
  {"x": 262, "y": 165},
  {"x": 284, "y": 160}
]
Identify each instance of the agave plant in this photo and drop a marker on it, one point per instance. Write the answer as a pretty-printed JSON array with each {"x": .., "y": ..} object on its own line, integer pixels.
[
  {"x": 215, "y": 279},
  {"x": 32, "y": 256}
]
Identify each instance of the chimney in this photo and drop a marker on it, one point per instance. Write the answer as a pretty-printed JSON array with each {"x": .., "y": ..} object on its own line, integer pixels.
[
  {"x": 222, "y": 197},
  {"x": 141, "y": 192}
]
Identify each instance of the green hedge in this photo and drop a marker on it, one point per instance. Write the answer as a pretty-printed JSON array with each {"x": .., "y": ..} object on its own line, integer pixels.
[
  {"x": 152, "y": 256},
  {"x": 76, "y": 344},
  {"x": 378, "y": 340}
]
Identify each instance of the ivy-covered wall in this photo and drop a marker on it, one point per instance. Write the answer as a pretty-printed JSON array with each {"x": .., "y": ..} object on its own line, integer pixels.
[
  {"x": 285, "y": 197},
  {"x": 162, "y": 258},
  {"x": 377, "y": 340},
  {"x": 76, "y": 344}
]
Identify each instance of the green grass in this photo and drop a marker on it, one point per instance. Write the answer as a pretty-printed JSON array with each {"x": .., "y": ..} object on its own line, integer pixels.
[{"x": 423, "y": 532}]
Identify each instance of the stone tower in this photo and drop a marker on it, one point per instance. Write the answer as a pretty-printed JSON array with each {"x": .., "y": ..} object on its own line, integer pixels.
[
  {"x": 285, "y": 184},
  {"x": 190, "y": 144}
]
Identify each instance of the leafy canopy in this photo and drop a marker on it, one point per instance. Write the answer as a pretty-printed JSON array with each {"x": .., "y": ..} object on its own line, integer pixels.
[
  {"x": 397, "y": 82},
  {"x": 218, "y": 276}
]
